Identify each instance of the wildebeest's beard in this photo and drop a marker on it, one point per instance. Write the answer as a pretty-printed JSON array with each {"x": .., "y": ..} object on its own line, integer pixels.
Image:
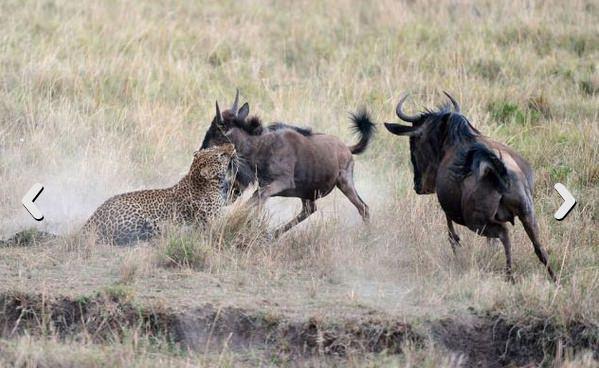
[
  {"x": 425, "y": 157},
  {"x": 240, "y": 176},
  {"x": 230, "y": 185},
  {"x": 415, "y": 165}
]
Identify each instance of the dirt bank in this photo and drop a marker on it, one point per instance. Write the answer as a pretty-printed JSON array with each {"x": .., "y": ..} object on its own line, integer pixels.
[{"x": 487, "y": 339}]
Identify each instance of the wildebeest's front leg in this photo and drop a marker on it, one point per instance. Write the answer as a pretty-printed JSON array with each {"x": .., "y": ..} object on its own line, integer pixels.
[
  {"x": 454, "y": 239},
  {"x": 308, "y": 208},
  {"x": 504, "y": 236},
  {"x": 532, "y": 230},
  {"x": 272, "y": 189}
]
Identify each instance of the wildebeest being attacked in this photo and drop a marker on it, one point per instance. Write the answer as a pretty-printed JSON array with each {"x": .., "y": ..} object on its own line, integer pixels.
[
  {"x": 480, "y": 183},
  {"x": 289, "y": 161}
]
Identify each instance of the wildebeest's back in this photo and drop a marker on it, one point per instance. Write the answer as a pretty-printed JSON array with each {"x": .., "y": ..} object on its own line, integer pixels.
[
  {"x": 317, "y": 161},
  {"x": 306, "y": 132},
  {"x": 513, "y": 161}
]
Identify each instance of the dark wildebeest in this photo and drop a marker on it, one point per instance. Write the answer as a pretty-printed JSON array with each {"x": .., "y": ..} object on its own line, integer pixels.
[
  {"x": 289, "y": 161},
  {"x": 480, "y": 183}
]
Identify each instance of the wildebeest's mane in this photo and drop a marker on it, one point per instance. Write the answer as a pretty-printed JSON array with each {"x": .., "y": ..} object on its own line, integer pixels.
[
  {"x": 230, "y": 120},
  {"x": 445, "y": 127},
  {"x": 441, "y": 110},
  {"x": 459, "y": 129},
  {"x": 452, "y": 127},
  {"x": 278, "y": 126},
  {"x": 253, "y": 125}
]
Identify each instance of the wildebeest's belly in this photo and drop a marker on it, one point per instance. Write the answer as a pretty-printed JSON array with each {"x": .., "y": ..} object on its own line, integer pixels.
[
  {"x": 304, "y": 194},
  {"x": 316, "y": 162},
  {"x": 310, "y": 190},
  {"x": 316, "y": 177}
]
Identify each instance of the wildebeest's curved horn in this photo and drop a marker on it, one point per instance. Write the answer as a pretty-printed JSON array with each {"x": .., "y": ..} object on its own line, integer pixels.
[
  {"x": 219, "y": 117},
  {"x": 401, "y": 115},
  {"x": 399, "y": 129},
  {"x": 456, "y": 105},
  {"x": 234, "y": 107}
]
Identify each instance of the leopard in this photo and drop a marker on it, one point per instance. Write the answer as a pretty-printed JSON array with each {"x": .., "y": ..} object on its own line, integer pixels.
[{"x": 196, "y": 199}]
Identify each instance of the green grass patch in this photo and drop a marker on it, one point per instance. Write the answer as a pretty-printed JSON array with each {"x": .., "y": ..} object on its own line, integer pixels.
[
  {"x": 183, "y": 248},
  {"x": 506, "y": 112}
]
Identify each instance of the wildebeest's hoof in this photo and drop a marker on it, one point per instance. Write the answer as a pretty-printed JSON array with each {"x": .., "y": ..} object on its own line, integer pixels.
[
  {"x": 454, "y": 240},
  {"x": 493, "y": 242}
]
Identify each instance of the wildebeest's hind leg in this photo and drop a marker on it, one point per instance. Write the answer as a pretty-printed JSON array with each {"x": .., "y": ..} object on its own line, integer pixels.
[
  {"x": 532, "y": 230},
  {"x": 454, "y": 239},
  {"x": 345, "y": 183},
  {"x": 504, "y": 236},
  {"x": 308, "y": 208}
]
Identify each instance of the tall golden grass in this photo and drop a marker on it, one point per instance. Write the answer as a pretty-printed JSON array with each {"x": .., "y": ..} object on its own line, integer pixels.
[{"x": 99, "y": 98}]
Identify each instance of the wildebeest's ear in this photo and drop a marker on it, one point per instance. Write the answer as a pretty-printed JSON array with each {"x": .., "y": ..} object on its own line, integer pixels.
[
  {"x": 399, "y": 129},
  {"x": 244, "y": 111}
]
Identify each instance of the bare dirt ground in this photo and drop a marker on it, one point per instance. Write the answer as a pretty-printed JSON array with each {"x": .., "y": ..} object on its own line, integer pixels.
[
  {"x": 71, "y": 288},
  {"x": 101, "y": 98}
]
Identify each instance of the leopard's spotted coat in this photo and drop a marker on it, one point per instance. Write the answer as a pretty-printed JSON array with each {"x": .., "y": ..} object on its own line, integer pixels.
[{"x": 197, "y": 197}]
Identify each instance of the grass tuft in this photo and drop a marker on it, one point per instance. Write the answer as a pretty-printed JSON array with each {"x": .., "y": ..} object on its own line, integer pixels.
[{"x": 183, "y": 248}]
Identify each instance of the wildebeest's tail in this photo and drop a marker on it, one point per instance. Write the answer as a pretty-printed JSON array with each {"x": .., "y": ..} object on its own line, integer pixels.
[
  {"x": 481, "y": 161},
  {"x": 365, "y": 129}
]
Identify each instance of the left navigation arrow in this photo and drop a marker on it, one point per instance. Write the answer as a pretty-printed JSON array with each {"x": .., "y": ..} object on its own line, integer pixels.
[{"x": 29, "y": 198}]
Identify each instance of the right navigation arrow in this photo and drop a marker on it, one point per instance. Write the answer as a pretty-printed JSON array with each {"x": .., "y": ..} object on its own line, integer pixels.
[{"x": 568, "y": 204}]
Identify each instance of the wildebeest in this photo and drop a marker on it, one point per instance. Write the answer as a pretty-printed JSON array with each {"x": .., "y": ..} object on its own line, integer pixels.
[
  {"x": 480, "y": 183},
  {"x": 289, "y": 161}
]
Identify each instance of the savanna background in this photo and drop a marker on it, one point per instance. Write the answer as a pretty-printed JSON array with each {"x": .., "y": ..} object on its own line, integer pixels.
[{"x": 99, "y": 98}]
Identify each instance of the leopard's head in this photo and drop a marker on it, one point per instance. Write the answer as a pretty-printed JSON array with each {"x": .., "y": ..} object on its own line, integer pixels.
[{"x": 215, "y": 166}]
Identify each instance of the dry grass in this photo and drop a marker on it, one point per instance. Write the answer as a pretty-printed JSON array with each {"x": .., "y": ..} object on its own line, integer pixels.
[
  {"x": 102, "y": 98},
  {"x": 29, "y": 352}
]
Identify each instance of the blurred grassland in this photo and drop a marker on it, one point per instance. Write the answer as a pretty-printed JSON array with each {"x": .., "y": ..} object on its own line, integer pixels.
[{"x": 98, "y": 98}]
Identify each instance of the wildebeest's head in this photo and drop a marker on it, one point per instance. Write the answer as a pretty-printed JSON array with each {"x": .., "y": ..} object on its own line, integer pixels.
[
  {"x": 428, "y": 135},
  {"x": 223, "y": 122}
]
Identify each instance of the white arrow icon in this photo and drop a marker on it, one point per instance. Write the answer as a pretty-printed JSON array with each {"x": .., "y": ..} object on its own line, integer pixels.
[
  {"x": 29, "y": 198},
  {"x": 568, "y": 204}
]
